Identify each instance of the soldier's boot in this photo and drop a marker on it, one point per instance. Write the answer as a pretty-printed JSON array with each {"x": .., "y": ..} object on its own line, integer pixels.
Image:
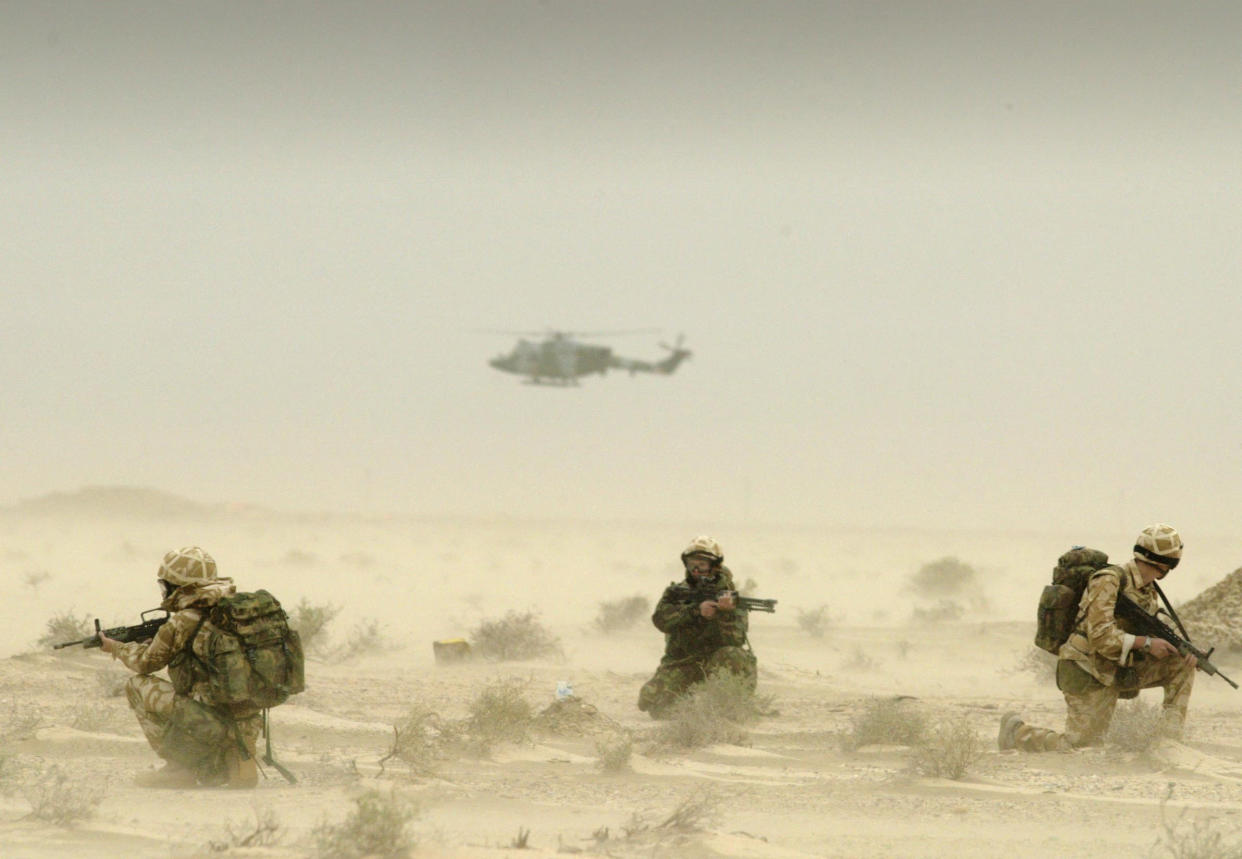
[
  {"x": 1009, "y": 724},
  {"x": 172, "y": 775},
  {"x": 238, "y": 773}
]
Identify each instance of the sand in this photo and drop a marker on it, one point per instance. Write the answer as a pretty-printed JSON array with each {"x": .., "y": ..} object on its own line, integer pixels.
[{"x": 792, "y": 787}]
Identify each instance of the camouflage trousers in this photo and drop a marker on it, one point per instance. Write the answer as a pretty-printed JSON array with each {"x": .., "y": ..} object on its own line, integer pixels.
[
  {"x": 188, "y": 732},
  {"x": 1090, "y": 705},
  {"x": 672, "y": 681}
]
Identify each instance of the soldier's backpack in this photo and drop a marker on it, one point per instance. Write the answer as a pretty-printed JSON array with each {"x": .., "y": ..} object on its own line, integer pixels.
[
  {"x": 1058, "y": 604},
  {"x": 251, "y": 658}
]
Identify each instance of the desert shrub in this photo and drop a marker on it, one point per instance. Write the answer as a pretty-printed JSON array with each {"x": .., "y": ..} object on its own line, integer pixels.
[
  {"x": 518, "y": 635},
  {"x": 693, "y": 812},
  {"x": 299, "y": 558},
  {"x": 947, "y": 749},
  {"x": 714, "y": 711},
  {"x": 90, "y": 717},
  {"x": 500, "y": 712},
  {"x": 1039, "y": 662},
  {"x": 363, "y": 639},
  {"x": 57, "y": 799},
  {"x": 886, "y": 720},
  {"x": 813, "y": 623},
  {"x": 1135, "y": 726},
  {"x": 860, "y": 660},
  {"x": 522, "y": 840},
  {"x": 20, "y": 723},
  {"x": 311, "y": 623},
  {"x": 35, "y": 578},
  {"x": 422, "y": 740},
  {"x": 264, "y": 832},
  {"x": 378, "y": 826},
  {"x": 944, "y": 611},
  {"x": 111, "y": 682},
  {"x": 621, "y": 614},
  {"x": 945, "y": 577},
  {"x": 66, "y": 626},
  {"x": 613, "y": 752}
]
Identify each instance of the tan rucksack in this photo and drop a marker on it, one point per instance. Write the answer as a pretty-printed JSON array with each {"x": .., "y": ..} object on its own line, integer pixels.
[{"x": 1058, "y": 604}]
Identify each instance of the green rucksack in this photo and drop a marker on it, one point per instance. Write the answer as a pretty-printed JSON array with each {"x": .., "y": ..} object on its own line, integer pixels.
[
  {"x": 1058, "y": 604},
  {"x": 252, "y": 659}
]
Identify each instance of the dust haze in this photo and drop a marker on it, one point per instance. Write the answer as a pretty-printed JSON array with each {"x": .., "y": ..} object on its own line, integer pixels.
[{"x": 959, "y": 282}]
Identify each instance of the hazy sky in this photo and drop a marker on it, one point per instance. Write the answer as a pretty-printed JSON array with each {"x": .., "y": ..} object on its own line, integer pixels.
[{"x": 972, "y": 265}]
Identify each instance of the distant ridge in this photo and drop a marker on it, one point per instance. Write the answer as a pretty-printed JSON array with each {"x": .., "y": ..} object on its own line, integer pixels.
[{"x": 121, "y": 501}]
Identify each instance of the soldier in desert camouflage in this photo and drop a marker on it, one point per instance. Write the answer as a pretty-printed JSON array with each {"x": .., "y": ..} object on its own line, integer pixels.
[
  {"x": 1101, "y": 661},
  {"x": 200, "y": 744},
  {"x": 703, "y": 630}
]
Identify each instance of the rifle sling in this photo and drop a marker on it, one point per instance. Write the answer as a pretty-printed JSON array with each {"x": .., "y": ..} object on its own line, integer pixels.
[{"x": 1172, "y": 614}]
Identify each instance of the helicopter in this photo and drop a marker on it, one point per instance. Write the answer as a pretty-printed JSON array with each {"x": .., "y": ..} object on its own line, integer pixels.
[{"x": 559, "y": 359}]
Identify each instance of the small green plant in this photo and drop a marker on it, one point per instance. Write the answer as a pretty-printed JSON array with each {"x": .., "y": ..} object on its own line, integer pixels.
[
  {"x": 617, "y": 615},
  {"x": 714, "y": 711},
  {"x": 518, "y": 635},
  {"x": 57, "y": 799},
  {"x": 500, "y": 713},
  {"x": 520, "y": 842},
  {"x": 893, "y": 721},
  {"x": 1135, "y": 727},
  {"x": 813, "y": 622},
  {"x": 66, "y": 626},
  {"x": 613, "y": 752},
  {"x": 378, "y": 826},
  {"x": 947, "y": 749},
  {"x": 311, "y": 623},
  {"x": 945, "y": 577}
]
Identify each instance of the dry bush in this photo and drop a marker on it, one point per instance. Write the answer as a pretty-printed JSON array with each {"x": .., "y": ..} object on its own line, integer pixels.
[
  {"x": 90, "y": 717},
  {"x": 1201, "y": 838},
  {"x": 518, "y": 635},
  {"x": 1039, "y": 662},
  {"x": 311, "y": 623},
  {"x": 714, "y": 711},
  {"x": 944, "y": 611},
  {"x": 521, "y": 841},
  {"x": 813, "y": 623},
  {"x": 19, "y": 724},
  {"x": 35, "y": 578},
  {"x": 948, "y": 748},
  {"x": 613, "y": 752},
  {"x": 945, "y": 577},
  {"x": 499, "y": 713},
  {"x": 621, "y": 614},
  {"x": 57, "y": 799},
  {"x": 693, "y": 812},
  {"x": 1135, "y": 726},
  {"x": 889, "y": 721},
  {"x": 378, "y": 826},
  {"x": 66, "y": 626},
  {"x": 364, "y": 639},
  {"x": 422, "y": 740},
  {"x": 264, "y": 832},
  {"x": 860, "y": 660},
  {"x": 111, "y": 682}
]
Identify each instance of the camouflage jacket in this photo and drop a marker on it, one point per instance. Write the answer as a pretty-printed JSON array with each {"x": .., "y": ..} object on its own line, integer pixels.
[
  {"x": 688, "y": 636},
  {"x": 1098, "y": 640},
  {"x": 168, "y": 648}
]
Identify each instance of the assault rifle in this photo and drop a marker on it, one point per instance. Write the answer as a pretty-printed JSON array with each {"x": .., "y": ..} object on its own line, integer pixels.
[
  {"x": 744, "y": 603},
  {"x": 1145, "y": 624},
  {"x": 138, "y": 632}
]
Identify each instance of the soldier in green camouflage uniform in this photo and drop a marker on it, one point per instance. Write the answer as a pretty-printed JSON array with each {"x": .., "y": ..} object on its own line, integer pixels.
[
  {"x": 1101, "y": 661},
  {"x": 703, "y": 630},
  {"x": 201, "y": 744}
]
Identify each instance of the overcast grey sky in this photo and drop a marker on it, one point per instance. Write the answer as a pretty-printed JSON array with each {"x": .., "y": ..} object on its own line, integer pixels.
[{"x": 954, "y": 264}]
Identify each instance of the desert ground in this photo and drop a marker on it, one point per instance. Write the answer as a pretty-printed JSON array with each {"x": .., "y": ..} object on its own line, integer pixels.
[{"x": 795, "y": 781}]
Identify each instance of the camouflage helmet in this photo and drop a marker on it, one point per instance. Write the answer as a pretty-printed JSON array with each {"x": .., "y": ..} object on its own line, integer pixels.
[
  {"x": 1159, "y": 544},
  {"x": 187, "y": 566},
  {"x": 706, "y": 547}
]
